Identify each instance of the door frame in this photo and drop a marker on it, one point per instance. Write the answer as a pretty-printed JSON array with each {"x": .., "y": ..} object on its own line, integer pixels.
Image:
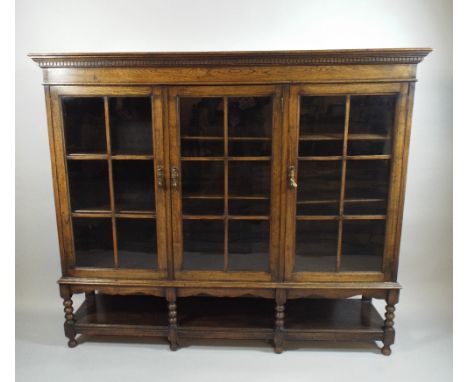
[
  {"x": 396, "y": 178},
  {"x": 276, "y": 164},
  {"x": 60, "y": 172}
]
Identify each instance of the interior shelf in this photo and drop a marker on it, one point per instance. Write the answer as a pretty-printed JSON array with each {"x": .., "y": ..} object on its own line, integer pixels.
[
  {"x": 235, "y": 197},
  {"x": 86, "y": 156},
  {"x": 337, "y": 137},
  {"x": 208, "y": 138},
  {"x": 207, "y": 158},
  {"x": 337, "y": 201},
  {"x": 233, "y": 318}
]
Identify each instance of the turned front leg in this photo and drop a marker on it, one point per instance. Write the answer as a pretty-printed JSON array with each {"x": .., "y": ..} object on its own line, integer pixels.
[
  {"x": 278, "y": 338},
  {"x": 172, "y": 313},
  {"x": 389, "y": 331},
  {"x": 69, "y": 325}
]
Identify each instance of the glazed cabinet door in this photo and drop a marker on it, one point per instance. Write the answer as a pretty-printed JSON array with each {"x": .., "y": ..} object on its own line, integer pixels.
[
  {"x": 344, "y": 181},
  {"x": 109, "y": 156},
  {"x": 225, "y": 161}
]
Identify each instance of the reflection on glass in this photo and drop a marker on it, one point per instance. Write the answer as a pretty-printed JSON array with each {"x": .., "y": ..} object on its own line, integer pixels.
[
  {"x": 363, "y": 245},
  {"x": 322, "y": 115},
  {"x": 201, "y": 148},
  {"x": 93, "y": 242},
  {"x": 313, "y": 148},
  {"x": 201, "y": 117},
  {"x": 249, "y": 245},
  {"x": 130, "y": 125},
  {"x": 250, "y": 116},
  {"x": 193, "y": 205},
  {"x": 136, "y": 243},
  {"x": 319, "y": 184},
  {"x": 250, "y": 206},
  {"x": 372, "y": 114},
  {"x": 202, "y": 178},
  {"x": 89, "y": 185},
  {"x": 316, "y": 246},
  {"x": 249, "y": 148},
  {"x": 371, "y": 122},
  {"x": 249, "y": 178},
  {"x": 133, "y": 185},
  {"x": 203, "y": 245},
  {"x": 367, "y": 178},
  {"x": 84, "y": 125}
]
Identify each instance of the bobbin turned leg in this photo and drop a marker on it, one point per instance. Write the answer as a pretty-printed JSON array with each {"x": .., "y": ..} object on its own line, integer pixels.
[
  {"x": 69, "y": 325},
  {"x": 172, "y": 312},
  {"x": 389, "y": 331},
  {"x": 278, "y": 338}
]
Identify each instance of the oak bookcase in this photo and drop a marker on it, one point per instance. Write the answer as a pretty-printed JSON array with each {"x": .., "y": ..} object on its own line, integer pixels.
[{"x": 230, "y": 195}]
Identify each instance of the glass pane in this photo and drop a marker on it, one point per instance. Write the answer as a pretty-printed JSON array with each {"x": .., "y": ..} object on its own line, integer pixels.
[
  {"x": 89, "y": 185},
  {"x": 323, "y": 116},
  {"x": 202, "y": 178},
  {"x": 318, "y": 191},
  {"x": 366, "y": 186},
  {"x": 84, "y": 125},
  {"x": 316, "y": 246},
  {"x": 249, "y": 245},
  {"x": 203, "y": 245},
  {"x": 201, "y": 117},
  {"x": 133, "y": 185},
  {"x": 93, "y": 242},
  {"x": 191, "y": 147},
  {"x": 202, "y": 206},
  {"x": 313, "y": 148},
  {"x": 249, "y": 206},
  {"x": 130, "y": 125},
  {"x": 250, "y": 116},
  {"x": 248, "y": 178},
  {"x": 371, "y": 122},
  {"x": 363, "y": 245},
  {"x": 137, "y": 243},
  {"x": 240, "y": 148}
]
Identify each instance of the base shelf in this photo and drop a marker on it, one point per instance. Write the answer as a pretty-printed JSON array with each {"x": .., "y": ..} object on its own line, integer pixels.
[{"x": 230, "y": 318}]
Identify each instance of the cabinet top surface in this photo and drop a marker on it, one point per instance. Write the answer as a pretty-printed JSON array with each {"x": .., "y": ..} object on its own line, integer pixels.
[{"x": 237, "y": 58}]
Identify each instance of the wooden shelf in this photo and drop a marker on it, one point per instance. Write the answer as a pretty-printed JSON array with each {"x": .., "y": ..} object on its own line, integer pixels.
[
  {"x": 118, "y": 214},
  {"x": 230, "y": 217},
  {"x": 228, "y": 318},
  {"x": 208, "y": 138},
  {"x": 87, "y": 156},
  {"x": 339, "y": 137},
  {"x": 332, "y": 201},
  {"x": 347, "y": 157},
  {"x": 105, "y": 157},
  {"x": 218, "y": 158},
  {"x": 343, "y": 217},
  {"x": 233, "y": 197}
]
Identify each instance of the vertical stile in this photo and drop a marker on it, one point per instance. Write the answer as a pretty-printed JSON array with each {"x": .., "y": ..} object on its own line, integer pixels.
[
  {"x": 155, "y": 96},
  {"x": 343, "y": 185},
  {"x": 111, "y": 180},
  {"x": 226, "y": 193}
]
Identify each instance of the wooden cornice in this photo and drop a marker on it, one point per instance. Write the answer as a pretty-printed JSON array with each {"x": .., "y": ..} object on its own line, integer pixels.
[{"x": 210, "y": 59}]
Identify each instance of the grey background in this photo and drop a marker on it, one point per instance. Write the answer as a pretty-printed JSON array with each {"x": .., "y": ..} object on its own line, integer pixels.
[{"x": 423, "y": 348}]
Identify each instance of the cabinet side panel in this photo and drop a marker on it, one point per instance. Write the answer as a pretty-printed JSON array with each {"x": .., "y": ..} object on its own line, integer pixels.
[
  {"x": 63, "y": 212},
  {"x": 408, "y": 122},
  {"x": 396, "y": 183},
  {"x": 50, "y": 131}
]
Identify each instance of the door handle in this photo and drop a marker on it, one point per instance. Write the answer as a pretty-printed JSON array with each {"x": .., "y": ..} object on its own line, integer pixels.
[
  {"x": 160, "y": 176},
  {"x": 174, "y": 177},
  {"x": 292, "y": 177}
]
